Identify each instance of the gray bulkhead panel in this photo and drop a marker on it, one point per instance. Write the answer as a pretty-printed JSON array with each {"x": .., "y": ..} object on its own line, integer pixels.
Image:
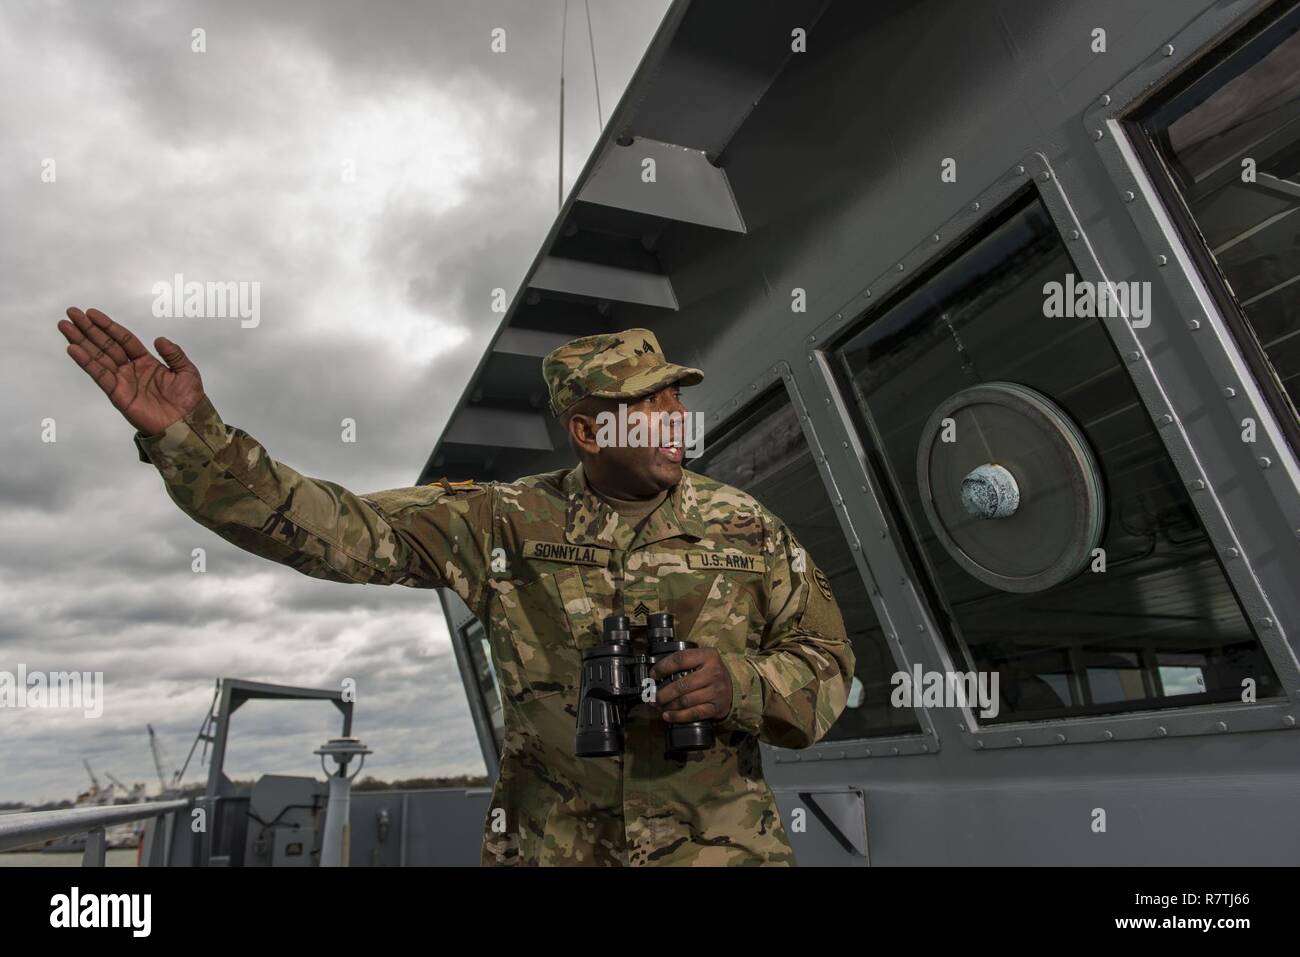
[{"x": 836, "y": 173}]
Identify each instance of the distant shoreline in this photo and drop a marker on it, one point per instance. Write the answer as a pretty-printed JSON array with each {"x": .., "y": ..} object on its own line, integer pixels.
[{"x": 122, "y": 857}]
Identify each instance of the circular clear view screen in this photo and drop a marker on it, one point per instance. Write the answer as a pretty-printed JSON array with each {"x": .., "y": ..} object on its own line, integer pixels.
[{"x": 1010, "y": 487}]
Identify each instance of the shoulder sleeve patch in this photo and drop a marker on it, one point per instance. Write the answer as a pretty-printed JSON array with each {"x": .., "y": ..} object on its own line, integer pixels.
[{"x": 823, "y": 585}]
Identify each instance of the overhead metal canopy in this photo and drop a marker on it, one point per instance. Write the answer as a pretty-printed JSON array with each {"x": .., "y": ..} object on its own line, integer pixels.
[
  {"x": 532, "y": 343},
  {"x": 716, "y": 70},
  {"x": 655, "y": 171},
  {"x": 596, "y": 281},
  {"x": 479, "y": 425},
  {"x": 686, "y": 186}
]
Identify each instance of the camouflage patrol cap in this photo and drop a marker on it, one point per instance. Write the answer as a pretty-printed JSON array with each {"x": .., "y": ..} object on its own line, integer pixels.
[{"x": 614, "y": 365}]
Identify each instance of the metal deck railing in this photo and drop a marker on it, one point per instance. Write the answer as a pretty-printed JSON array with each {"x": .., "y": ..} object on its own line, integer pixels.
[{"x": 31, "y": 827}]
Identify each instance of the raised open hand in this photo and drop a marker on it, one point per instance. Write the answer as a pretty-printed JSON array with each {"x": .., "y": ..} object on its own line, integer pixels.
[{"x": 149, "y": 394}]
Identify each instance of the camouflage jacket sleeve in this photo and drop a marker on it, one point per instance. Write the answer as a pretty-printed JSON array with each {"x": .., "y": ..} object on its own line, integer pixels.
[
  {"x": 794, "y": 687},
  {"x": 425, "y": 536}
]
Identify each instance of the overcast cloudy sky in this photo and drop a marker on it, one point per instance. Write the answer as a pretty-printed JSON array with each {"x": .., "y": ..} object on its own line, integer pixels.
[{"x": 375, "y": 304}]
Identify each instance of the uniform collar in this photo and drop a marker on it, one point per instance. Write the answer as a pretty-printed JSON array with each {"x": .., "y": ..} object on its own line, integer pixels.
[{"x": 590, "y": 520}]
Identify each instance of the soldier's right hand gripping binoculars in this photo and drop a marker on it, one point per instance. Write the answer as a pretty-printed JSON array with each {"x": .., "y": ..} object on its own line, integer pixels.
[{"x": 614, "y": 674}]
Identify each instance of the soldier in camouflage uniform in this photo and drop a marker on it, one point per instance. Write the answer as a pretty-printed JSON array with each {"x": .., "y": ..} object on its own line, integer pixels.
[{"x": 541, "y": 561}]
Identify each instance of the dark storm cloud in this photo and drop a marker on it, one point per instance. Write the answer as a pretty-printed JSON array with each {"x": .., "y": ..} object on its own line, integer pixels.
[{"x": 375, "y": 306}]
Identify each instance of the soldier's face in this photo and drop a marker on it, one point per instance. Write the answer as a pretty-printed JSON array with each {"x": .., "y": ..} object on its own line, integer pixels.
[{"x": 637, "y": 468}]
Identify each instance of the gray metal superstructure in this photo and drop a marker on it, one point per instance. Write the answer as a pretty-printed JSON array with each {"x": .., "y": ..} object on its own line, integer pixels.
[{"x": 797, "y": 201}]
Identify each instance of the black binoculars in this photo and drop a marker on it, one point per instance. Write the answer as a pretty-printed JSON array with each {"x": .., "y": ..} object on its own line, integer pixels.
[{"x": 614, "y": 673}]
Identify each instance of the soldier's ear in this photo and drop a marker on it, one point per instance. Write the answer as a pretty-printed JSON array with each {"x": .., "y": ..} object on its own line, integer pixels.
[{"x": 582, "y": 433}]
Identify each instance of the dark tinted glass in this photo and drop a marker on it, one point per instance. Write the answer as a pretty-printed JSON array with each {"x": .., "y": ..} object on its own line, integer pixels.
[
  {"x": 1230, "y": 138},
  {"x": 1160, "y": 627},
  {"x": 488, "y": 690},
  {"x": 767, "y": 456}
]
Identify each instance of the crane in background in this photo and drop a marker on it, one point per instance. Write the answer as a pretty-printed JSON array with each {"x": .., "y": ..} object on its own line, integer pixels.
[
  {"x": 158, "y": 762},
  {"x": 134, "y": 793},
  {"x": 97, "y": 794}
]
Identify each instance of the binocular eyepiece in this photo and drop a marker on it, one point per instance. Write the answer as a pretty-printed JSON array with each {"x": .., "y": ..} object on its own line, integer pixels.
[{"x": 614, "y": 674}]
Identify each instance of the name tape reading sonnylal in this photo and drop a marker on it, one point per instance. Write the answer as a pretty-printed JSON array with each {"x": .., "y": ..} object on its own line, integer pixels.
[
  {"x": 562, "y": 552},
  {"x": 728, "y": 559}
]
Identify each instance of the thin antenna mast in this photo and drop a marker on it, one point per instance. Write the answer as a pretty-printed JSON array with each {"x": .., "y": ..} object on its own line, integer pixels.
[
  {"x": 564, "y": 29},
  {"x": 595, "y": 77}
]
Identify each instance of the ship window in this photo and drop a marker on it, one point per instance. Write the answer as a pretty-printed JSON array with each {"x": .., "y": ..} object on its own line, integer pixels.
[
  {"x": 489, "y": 691},
  {"x": 1229, "y": 140},
  {"x": 1182, "y": 679},
  {"x": 766, "y": 455},
  {"x": 1042, "y": 516}
]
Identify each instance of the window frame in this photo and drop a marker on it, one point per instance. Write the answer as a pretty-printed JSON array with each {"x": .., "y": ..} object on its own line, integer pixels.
[
  {"x": 1138, "y": 123},
  {"x": 1259, "y": 536},
  {"x": 922, "y": 641},
  {"x": 460, "y": 620},
  {"x": 926, "y": 739},
  {"x": 920, "y": 567}
]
